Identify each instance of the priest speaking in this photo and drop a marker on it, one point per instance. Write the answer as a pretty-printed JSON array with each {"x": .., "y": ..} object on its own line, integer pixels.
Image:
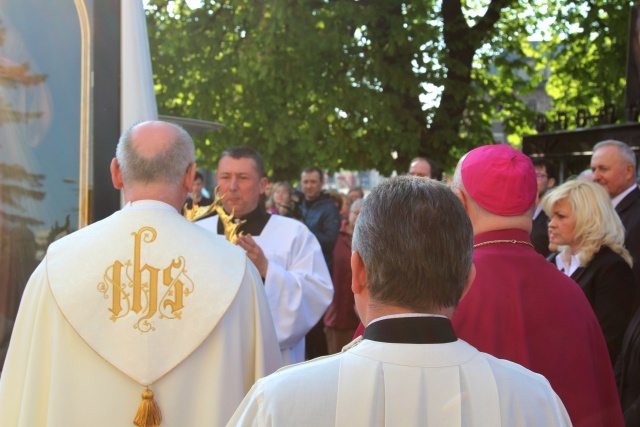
[{"x": 142, "y": 317}]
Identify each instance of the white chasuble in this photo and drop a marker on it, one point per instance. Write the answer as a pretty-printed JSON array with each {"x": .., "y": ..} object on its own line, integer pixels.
[
  {"x": 298, "y": 283},
  {"x": 374, "y": 384},
  {"x": 142, "y": 298}
]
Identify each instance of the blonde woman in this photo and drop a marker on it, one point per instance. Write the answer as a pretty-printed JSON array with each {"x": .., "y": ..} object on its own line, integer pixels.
[{"x": 583, "y": 221}]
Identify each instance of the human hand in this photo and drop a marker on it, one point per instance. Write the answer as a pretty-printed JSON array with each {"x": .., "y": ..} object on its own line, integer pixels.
[{"x": 254, "y": 252}]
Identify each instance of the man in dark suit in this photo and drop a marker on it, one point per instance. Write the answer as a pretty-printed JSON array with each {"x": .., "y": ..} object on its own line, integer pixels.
[
  {"x": 546, "y": 179},
  {"x": 614, "y": 167},
  {"x": 628, "y": 373}
]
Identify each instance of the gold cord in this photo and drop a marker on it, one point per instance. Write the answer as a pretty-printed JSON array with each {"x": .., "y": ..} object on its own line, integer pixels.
[{"x": 517, "y": 242}]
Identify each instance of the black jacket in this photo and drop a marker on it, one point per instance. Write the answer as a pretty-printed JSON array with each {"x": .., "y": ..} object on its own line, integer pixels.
[
  {"x": 628, "y": 373},
  {"x": 629, "y": 212},
  {"x": 540, "y": 235},
  {"x": 322, "y": 217},
  {"x": 608, "y": 283}
]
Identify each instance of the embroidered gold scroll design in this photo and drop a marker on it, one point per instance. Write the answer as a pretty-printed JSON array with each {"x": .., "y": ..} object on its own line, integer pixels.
[{"x": 136, "y": 287}]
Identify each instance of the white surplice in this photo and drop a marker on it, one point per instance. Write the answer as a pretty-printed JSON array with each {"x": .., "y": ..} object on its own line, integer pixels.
[
  {"x": 142, "y": 298},
  {"x": 374, "y": 384},
  {"x": 298, "y": 284}
]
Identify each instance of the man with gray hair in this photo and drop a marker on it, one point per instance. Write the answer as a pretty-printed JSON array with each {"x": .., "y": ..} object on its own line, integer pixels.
[
  {"x": 521, "y": 307},
  {"x": 141, "y": 311},
  {"x": 613, "y": 165},
  {"x": 410, "y": 368}
]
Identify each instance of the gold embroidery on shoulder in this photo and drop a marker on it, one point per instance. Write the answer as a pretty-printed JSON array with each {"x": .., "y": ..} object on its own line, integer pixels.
[{"x": 133, "y": 286}]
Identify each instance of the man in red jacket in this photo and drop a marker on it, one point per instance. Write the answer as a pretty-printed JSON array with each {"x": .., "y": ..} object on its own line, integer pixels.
[{"x": 520, "y": 307}]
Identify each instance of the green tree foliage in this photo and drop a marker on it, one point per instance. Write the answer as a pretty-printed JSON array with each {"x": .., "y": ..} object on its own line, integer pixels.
[
  {"x": 586, "y": 53},
  {"x": 346, "y": 83}
]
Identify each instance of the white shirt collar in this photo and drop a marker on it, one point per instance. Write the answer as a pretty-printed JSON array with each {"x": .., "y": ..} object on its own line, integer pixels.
[
  {"x": 400, "y": 315},
  {"x": 574, "y": 263},
  {"x": 149, "y": 204},
  {"x": 538, "y": 210},
  {"x": 622, "y": 195}
]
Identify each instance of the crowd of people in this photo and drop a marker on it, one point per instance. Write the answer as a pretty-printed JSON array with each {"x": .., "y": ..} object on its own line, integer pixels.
[{"x": 500, "y": 299}]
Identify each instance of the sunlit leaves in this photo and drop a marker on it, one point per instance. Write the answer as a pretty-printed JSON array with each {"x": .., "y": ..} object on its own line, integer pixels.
[{"x": 342, "y": 83}]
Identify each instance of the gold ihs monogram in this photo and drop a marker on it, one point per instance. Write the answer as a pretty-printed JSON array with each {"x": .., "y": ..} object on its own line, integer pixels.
[{"x": 134, "y": 288}]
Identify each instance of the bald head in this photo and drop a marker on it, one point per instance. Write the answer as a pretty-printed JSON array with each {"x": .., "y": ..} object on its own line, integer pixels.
[
  {"x": 421, "y": 167},
  {"x": 154, "y": 152},
  {"x": 154, "y": 160},
  {"x": 149, "y": 139}
]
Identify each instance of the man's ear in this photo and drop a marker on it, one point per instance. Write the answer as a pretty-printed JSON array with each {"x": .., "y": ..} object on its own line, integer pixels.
[
  {"x": 190, "y": 176},
  {"x": 358, "y": 274},
  {"x": 630, "y": 172},
  {"x": 263, "y": 184},
  {"x": 551, "y": 182},
  {"x": 464, "y": 199},
  {"x": 470, "y": 279},
  {"x": 116, "y": 174}
]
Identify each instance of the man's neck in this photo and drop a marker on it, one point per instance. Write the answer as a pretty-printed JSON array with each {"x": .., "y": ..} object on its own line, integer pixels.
[
  {"x": 253, "y": 212},
  {"x": 495, "y": 222},
  {"x": 312, "y": 199},
  {"x": 160, "y": 193}
]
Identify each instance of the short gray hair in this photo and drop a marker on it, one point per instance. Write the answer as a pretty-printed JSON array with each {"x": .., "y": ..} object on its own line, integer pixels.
[
  {"x": 625, "y": 151},
  {"x": 168, "y": 166},
  {"x": 416, "y": 242},
  {"x": 458, "y": 185},
  {"x": 456, "y": 181}
]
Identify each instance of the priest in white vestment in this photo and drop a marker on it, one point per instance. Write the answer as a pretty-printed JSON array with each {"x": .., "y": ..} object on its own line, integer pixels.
[
  {"x": 413, "y": 244},
  {"x": 141, "y": 318},
  {"x": 287, "y": 255}
]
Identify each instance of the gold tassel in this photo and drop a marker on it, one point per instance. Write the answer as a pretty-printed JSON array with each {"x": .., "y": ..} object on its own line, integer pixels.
[{"x": 148, "y": 412}]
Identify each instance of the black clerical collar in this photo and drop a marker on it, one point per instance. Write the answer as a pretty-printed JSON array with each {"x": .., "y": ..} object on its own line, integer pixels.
[
  {"x": 256, "y": 221},
  {"x": 411, "y": 330}
]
